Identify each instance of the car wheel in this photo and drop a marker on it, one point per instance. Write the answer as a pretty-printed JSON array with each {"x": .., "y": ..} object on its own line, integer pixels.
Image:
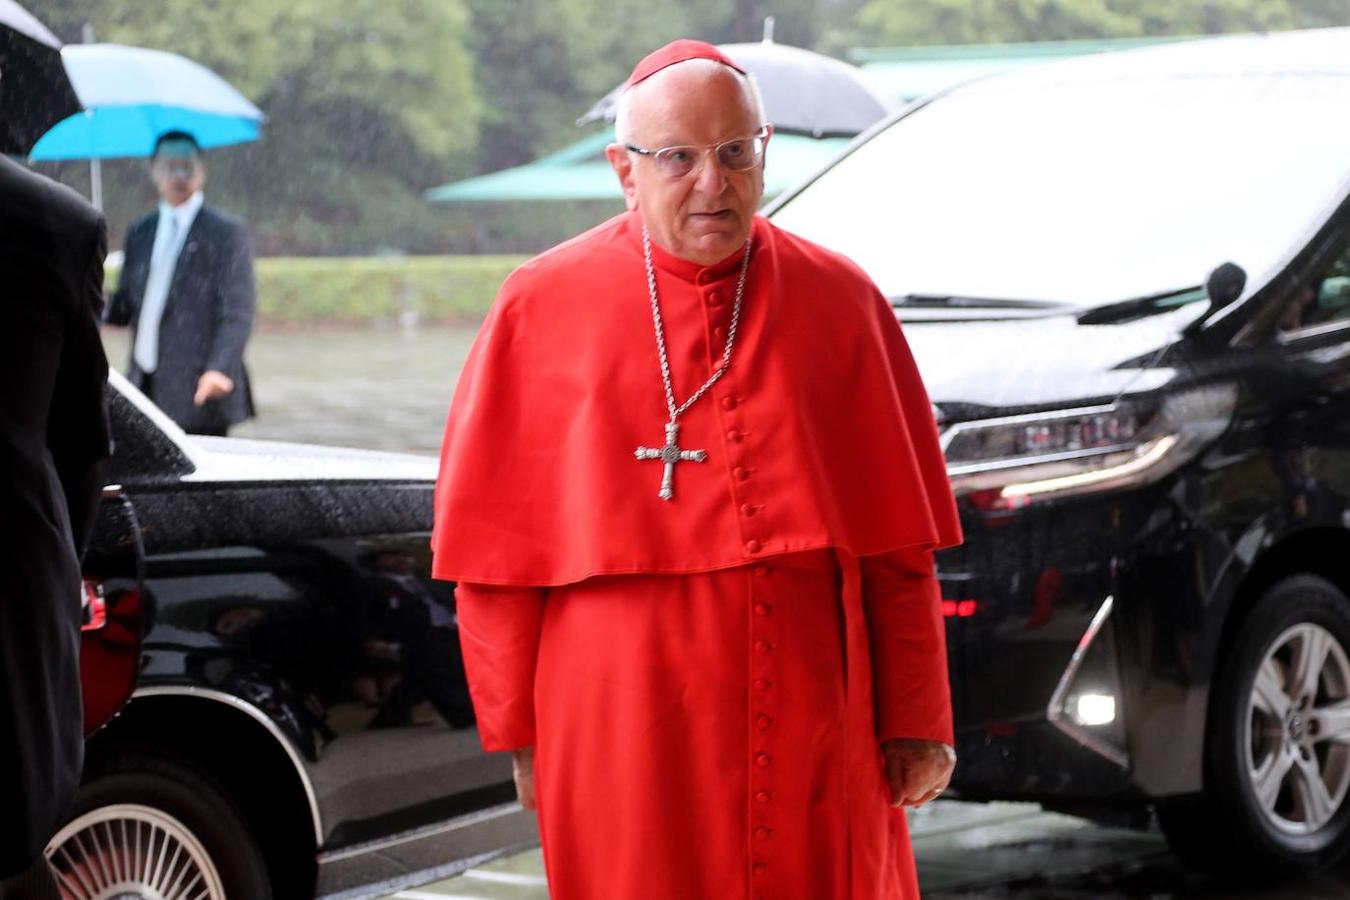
[
  {"x": 150, "y": 827},
  {"x": 1277, "y": 750}
]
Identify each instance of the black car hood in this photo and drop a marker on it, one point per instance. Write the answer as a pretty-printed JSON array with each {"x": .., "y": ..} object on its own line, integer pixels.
[{"x": 1040, "y": 362}]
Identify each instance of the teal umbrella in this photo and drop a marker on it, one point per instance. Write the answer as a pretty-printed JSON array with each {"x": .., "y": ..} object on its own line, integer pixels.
[
  {"x": 133, "y": 95},
  {"x": 581, "y": 172}
]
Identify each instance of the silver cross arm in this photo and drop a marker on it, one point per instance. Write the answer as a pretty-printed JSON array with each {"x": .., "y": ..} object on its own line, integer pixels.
[{"x": 670, "y": 454}]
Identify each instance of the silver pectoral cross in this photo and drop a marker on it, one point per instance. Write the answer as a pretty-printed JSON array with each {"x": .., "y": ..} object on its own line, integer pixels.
[{"x": 670, "y": 454}]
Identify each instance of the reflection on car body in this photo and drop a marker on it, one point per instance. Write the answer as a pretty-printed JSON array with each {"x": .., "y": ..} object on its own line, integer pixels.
[
  {"x": 1152, "y": 607},
  {"x": 299, "y": 719}
]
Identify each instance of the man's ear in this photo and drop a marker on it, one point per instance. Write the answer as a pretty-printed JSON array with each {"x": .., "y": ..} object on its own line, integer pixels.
[{"x": 622, "y": 163}]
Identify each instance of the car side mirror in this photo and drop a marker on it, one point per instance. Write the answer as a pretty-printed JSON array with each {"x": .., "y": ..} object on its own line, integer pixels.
[{"x": 1224, "y": 286}]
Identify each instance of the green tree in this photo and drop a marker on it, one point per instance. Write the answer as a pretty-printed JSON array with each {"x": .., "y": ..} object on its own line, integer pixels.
[
  {"x": 541, "y": 63},
  {"x": 914, "y": 22},
  {"x": 369, "y": 103}
]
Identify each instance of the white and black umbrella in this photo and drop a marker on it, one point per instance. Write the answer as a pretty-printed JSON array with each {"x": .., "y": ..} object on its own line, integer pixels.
[
  {"x": 35, "y": 92},
  {"x": 804, "y": 92}
]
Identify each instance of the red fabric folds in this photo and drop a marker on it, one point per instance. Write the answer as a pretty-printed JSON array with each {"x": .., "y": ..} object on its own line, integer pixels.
[
  {"x": 711, "y": 735},
  {"x": 820, "y": 434},
  {"x": 499, "y": 633},
  {"x": 705, "y": 680},
  {"x": 902, "y": 603}
]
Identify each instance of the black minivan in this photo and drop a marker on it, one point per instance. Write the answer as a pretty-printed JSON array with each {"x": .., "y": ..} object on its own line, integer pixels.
[{"x": 1126, "y": 279}]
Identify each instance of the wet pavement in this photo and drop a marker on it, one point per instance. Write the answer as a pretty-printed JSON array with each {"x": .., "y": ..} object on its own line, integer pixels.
[
  {"x": 382, "y": 389},
  {"x": 970, "y": 851},
  {"x": 390, "y": 388}
]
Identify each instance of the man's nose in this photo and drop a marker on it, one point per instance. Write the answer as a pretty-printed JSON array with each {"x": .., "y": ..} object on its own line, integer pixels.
[{"x": 710, "y": 177}]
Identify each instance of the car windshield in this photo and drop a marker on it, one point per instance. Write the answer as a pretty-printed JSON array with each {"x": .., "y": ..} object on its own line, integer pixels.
[{"x": 1087, "y": 184}]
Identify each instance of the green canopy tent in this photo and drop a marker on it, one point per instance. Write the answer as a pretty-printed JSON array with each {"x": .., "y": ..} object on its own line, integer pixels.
[{"x": 581, "y": 172}]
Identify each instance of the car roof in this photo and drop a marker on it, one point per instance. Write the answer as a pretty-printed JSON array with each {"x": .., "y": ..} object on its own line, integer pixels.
[{"x": 1312, "y": 53}]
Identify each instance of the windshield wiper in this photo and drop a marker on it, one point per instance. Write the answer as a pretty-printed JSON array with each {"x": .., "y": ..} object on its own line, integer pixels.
[
  {"x": 1137, "y": 307},
  {"x": 950, "y": 302}
]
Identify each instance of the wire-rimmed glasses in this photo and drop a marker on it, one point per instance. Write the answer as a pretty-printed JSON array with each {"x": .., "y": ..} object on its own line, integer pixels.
[{"x": 735, "y": 155}]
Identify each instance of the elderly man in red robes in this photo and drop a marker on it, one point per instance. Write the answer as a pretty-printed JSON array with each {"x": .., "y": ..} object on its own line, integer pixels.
[{"x": 690, "y": 490}]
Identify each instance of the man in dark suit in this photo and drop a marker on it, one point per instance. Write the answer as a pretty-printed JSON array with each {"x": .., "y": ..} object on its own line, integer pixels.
[
  {"x": 187, "y": 291},
  {"x": 53, "y": 438}
]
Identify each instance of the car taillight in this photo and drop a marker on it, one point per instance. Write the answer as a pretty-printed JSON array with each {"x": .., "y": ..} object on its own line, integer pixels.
[
  {"x": 95, "y": 606},
  {"x": 110, "y": 650},
  {"x": 962, "y": 609}
]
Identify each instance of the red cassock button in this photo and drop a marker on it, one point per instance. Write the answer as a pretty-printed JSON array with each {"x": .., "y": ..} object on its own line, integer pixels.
[
  {"x": 748, "y": 509},
  {"x": 759, "y": 868},
  {"x": 763, "y": 833},
  {"x": 752, "y": 546},
  {"x": 761, "y": 571},
  {"x": 762, "y": 609},
  {"x": 763, "y": 796},
  {"x": 719, "y": 333},
  {"x": 763, "y": 760},
  {"x": 763, "y": 684},
  {"x": 728, "y": 402},
  {"x": 735, "y": 436},
  {"x": 714, "y": 299},
  {"x": 763, "y": 723},
  {"x": 741, "y": 473},
  {"x": 763, "y": 646}
]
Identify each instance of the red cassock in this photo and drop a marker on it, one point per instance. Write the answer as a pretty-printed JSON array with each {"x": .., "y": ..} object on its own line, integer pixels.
[{"x": 707, "y": 679}]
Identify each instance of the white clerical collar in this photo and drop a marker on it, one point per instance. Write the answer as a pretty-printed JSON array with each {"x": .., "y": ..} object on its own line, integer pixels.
[{"x": 185, "y": 212}]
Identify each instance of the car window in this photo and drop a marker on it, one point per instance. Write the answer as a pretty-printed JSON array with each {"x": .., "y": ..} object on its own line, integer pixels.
[
  {"x": 1086, "y": 192},
  {"x": 1323, "y": 300},
  {"x": 1333, "y": 294}
]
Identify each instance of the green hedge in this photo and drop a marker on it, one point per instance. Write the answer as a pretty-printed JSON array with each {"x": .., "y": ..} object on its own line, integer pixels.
[{"x": 370, "y": 289}]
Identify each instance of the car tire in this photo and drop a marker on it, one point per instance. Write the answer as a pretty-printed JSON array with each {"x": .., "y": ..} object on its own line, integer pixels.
[
  {"x": 142, "y": 823},
  {"x": 1276, "y": 798}
]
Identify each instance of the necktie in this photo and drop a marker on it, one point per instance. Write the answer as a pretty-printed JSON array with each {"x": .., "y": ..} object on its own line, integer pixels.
[{"x": 163, "y": 258}]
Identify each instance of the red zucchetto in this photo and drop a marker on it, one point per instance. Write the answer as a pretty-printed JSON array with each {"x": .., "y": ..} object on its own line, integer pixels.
[{"x": 678, "y": 52}]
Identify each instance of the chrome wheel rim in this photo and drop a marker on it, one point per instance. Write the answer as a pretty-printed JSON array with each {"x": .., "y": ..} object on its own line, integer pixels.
[
  {"x": 1298, "y": 728},
  {"x": 132, "y": 852}
]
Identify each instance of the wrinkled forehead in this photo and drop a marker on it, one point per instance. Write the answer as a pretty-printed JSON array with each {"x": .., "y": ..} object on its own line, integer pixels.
[{"x": 696, "y": 90}]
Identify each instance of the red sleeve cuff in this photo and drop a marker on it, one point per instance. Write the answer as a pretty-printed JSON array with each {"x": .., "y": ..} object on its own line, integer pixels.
[
  {"x": 499, "y": 633},
  {"x": 907, "y": 636}
]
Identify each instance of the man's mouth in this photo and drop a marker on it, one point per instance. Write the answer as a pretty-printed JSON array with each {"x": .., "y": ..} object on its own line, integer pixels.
[{"x": 718, "y": 214}]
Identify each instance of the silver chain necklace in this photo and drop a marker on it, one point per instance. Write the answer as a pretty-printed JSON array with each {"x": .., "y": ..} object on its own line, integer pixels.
[{"x": 671, "y": 453}]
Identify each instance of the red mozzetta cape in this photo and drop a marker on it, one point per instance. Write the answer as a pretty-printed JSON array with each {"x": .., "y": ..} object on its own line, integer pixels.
[{"x": 819, "y": 435}]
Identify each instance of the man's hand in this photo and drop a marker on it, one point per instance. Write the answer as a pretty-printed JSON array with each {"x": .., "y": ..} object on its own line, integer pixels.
[
  {"x": 917, "y": 770},
  {"x": 522, "y": 769},
  {"x": 212, "y": 386}
]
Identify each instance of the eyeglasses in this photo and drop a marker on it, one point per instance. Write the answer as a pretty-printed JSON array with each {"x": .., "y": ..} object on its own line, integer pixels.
[{"x": 736, "y": 155}]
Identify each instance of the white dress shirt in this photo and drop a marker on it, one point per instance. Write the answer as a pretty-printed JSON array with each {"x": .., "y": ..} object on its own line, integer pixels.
[{"x": 170, "y": 235}]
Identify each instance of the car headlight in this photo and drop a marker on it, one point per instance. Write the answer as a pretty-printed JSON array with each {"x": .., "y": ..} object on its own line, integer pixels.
[{"x": 1011, "y": 460}]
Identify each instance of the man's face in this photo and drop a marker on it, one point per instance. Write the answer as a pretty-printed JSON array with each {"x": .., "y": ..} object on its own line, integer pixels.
[
  {"x": 705, "y": 215},
  {"x": 178, "y": 171}
]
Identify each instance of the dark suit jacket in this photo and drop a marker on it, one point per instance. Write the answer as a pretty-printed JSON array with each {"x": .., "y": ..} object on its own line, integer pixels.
[
  {"x": 53, "y": 436},
  {"x": 207, "y": 317}
]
